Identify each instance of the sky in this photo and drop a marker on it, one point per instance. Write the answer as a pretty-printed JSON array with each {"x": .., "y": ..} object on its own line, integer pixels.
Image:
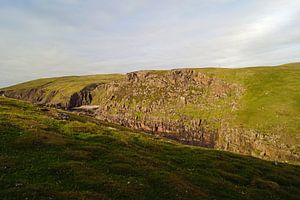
[{"x": 46, "y": 38}]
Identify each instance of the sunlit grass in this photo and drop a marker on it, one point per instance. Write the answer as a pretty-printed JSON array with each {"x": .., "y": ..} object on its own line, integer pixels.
[{"x": 45, "y": 157}]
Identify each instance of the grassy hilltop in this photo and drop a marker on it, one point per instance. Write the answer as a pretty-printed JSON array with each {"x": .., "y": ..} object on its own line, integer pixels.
[
  {"x": 272, "y": 96},
  {"x": 269, "y": 103},
  {"x": 43, "y": 156}
]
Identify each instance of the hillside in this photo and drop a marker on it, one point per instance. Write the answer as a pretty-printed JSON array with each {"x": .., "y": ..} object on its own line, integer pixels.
[
  {"x": 253, "y": 111},
  {"x": 54, "y": 154}
]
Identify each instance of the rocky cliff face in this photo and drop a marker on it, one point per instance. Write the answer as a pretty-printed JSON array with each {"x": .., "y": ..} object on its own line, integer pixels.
[
  {"x": 35, "y": 95},
  {"x": 185, "y": 105},
  {"x": 83, "y": 97},
  {"x": 251, "y": 142},
  {"x": 160, "y": 102}
]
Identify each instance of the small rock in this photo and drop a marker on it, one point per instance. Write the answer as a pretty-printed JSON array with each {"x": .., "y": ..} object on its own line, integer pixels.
[
  {"x": 19, "y": 184},
  {"x": 64, "y": 116}
]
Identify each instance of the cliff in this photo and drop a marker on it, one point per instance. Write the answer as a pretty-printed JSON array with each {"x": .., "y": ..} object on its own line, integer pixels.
[{"x": 192, "y": 106}]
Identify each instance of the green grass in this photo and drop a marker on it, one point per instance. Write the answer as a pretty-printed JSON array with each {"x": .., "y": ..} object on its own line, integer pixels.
[
  {"x": 271, "y": 102},
  {"x": 70, "y": 82},
  {"x": 44, "y": 157},
  {"x": 64, "y": 86}
]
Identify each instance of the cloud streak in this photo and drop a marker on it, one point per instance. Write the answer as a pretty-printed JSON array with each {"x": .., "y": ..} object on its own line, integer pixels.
[{"x": 67, "y": 37}]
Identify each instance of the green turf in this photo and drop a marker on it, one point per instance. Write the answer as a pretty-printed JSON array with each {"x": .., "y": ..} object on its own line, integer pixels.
[
  {"x": 44, "y": 157},
  {"x": 64, "y": 86},
  {"x": 272, "y": 98}
]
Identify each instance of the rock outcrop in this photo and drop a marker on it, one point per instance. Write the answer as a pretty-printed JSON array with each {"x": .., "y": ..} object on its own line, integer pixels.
[
  {"x": 36, "y": 95},
  {"x": 250, "y": 142},
  {"x": 83, "y": 97}
]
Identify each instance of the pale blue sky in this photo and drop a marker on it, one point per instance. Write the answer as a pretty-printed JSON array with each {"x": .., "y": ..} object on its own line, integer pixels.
[{"x": 45, "y": 38}]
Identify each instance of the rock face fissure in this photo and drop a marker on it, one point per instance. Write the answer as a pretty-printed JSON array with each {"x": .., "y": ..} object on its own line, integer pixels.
[{"x": 185, "y": 105}]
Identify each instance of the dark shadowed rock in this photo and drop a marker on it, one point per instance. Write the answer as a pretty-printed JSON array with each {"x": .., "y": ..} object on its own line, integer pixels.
[
  {"x": 45, "y": 109},
  {"x": 83, "y": 97}
]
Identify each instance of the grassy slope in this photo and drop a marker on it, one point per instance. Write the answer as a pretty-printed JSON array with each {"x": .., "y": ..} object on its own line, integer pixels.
[
  {"x": 43, "y": 157},
  {"x": 271, "y": 103},
  {"x": 66, "y": 86},
  {"x": 272, "y": 95},
  {"x": 272, "y": 99}
]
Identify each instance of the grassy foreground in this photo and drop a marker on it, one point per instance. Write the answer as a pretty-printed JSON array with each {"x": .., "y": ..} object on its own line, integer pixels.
[{"x": 45, "y": 157}]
